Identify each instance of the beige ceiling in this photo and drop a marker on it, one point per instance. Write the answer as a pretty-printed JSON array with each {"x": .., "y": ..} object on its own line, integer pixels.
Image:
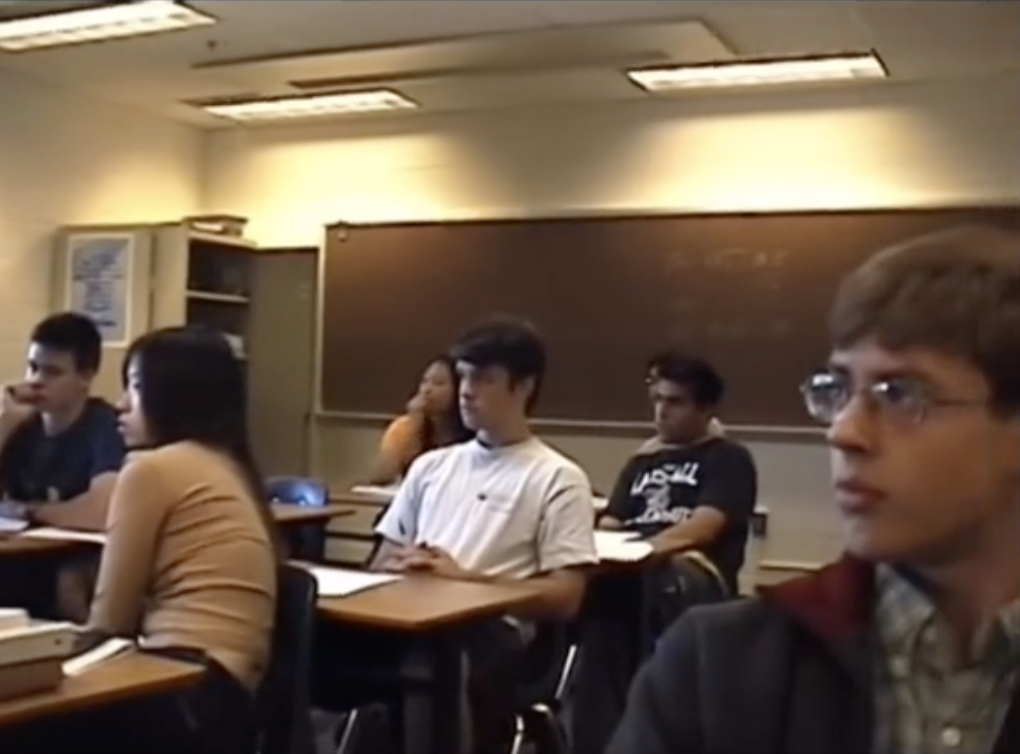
[{"x": 454, "y": 55}]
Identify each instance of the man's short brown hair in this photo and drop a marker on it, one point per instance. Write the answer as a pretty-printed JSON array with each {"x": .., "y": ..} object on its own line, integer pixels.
[{"x": 956, "y": 291}]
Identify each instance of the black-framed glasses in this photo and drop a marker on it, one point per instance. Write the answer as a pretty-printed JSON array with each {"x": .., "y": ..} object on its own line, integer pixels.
[{"x": 902, "y": 399}]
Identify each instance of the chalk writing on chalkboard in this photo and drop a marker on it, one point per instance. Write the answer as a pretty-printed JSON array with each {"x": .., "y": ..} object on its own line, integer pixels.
[{"x": 99, "y": 283}]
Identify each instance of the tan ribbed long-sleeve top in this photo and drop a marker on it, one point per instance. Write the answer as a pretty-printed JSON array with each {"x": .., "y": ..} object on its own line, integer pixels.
[{"x": 188, "y": 562}]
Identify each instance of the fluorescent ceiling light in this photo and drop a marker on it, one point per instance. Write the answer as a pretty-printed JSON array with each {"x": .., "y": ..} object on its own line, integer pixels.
[
  {"x": 760, "y": 72},
  {"x": 98, "y": 24},
  {"x": 314, "y": 105}
]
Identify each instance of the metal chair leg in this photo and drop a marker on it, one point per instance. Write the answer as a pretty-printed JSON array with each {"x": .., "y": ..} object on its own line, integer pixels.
[
  {"x": 347, "y": 735},
  {"x": 553, "y": 739},
  {"x": 519, "y": 734},
  {"x": 566, "y": 674}
]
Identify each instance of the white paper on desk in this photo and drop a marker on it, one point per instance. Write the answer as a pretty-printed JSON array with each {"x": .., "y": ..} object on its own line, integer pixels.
[
  {"x": 343, "y": 582},
  {"x": 65, "y": 535},
  {"x": 374, "y": 490},
  {"x": 97, "y": 655},
  {"x": 613, "y": 538},
  {"x": 621, "y": 546},
  {"x": 12, "y": 525}
]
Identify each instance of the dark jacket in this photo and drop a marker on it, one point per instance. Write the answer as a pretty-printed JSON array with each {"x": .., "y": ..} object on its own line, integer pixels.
[{"x": 789, "y": 673}]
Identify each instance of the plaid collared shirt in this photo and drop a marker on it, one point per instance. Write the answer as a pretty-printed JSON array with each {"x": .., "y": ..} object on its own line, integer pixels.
[{"x": 926, "y": 700}]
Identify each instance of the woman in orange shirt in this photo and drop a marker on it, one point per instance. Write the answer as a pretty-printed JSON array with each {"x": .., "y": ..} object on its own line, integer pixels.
[{"x": 432, "y": 420}]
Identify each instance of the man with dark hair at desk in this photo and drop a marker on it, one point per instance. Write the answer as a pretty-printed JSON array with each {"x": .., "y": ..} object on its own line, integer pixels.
[
  {"x": 504, "y": 507},
  {"x": 910, "y": 643},
  {"x": 653, "y": 368},
  {"x": 60, "y": 449},
  {"x": 688, "y": 484},
  {"x": 687, "y": 488}
]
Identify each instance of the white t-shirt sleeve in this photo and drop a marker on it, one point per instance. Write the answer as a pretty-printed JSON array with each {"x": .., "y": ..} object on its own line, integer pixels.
[
  {"x": 399, "y": 523},
  {"x": 566, "y": 532}
]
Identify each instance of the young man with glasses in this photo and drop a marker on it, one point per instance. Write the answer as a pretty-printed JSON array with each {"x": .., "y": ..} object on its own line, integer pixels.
[{"x": 910, "y": 643}]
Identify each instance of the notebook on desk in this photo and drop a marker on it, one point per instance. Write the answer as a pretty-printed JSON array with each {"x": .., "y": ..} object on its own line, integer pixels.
[
  {"x": 12, "y": 525},
  {"x": 343, "y": 582},
  {"x": 621, "y": 546},
  {"x": 92, "y": 649},
  {"x": 24, "y": 640},
  {"x": 381, "y": 492},
  {"x": 65, "y": 535}
]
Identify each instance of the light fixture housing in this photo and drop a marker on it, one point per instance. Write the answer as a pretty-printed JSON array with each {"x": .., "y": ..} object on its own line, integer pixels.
[
  {"x": 760, "y": 72},
  {"x": 98, "y": 24},
  {"x": 311, "y": 105}
]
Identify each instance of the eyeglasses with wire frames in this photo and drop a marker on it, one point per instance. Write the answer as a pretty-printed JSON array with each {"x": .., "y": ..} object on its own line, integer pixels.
[{"x": 903, "y": 400}]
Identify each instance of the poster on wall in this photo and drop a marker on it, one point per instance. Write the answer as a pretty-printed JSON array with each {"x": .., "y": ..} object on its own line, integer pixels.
[{"x": 99, "y": 283}]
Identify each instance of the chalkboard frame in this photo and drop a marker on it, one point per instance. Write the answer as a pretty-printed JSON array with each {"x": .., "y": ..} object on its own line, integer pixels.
[{"x": 805, "y": 431}]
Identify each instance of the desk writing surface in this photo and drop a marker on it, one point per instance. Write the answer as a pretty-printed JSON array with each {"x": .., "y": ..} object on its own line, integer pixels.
[
  {"x": 299, "y": 514},
  {"x": 348, "y": 497},
  {"x": 423, "y": 603},
  {"x": 130, "y": 676},
  {"x": 13, "y": 546},
  {"x": 750, "y": 293}
]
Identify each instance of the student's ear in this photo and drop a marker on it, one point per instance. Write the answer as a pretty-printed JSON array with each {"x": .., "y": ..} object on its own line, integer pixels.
[{"x": 526, "y": 388}]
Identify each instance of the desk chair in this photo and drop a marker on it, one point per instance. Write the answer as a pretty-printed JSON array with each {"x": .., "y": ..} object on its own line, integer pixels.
[
  {"x": 306, "y": 541},
  {"x": 284, "y": 708},
  {"x": 617, "y": 641},
  {"x": 547, "y": 672},
  {"x": 687, "y": 580}
]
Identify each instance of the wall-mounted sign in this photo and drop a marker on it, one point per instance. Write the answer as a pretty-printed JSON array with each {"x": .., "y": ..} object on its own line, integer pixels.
[{"x": 99, "y": 282}]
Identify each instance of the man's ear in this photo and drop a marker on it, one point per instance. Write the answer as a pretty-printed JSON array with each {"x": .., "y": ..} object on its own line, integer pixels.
[{"x": 526, "y": 387}]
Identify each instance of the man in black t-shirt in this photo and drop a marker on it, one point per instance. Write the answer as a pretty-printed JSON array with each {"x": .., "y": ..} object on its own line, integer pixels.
[{"x": 688, "y": 484}]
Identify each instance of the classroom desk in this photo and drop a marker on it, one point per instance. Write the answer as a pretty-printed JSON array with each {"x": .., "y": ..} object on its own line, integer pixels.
[
  {"x": 15, "y": 546},
  {"x": 121, "y": 679},
  {"x": 421, "y": 603},
  {"x": 660, "y": 551},
  {"x": 430, "y": 612},
  {"x": 349, "y": 497},
  {"x": 298, "y": 514}
]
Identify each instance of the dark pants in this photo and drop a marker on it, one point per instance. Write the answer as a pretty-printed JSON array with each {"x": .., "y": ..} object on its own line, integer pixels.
[
  {"x": 28, "y": 582},
  {"x": 75, "y": 583},
  {"x": 611, "y": 639},
  {"x": 358, "y": 668},
  {"x": 51, "y": 588},
  {"x": 215, "y": 717}
]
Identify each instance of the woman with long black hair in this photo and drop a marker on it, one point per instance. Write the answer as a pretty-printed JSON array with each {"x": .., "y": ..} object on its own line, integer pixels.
[
  {"x": 431, "y": 420},
  {"x": 189, "y": 567}
]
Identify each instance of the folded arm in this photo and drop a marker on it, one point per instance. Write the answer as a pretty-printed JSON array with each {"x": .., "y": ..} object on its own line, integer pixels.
[{"x": 86, "y": 512}]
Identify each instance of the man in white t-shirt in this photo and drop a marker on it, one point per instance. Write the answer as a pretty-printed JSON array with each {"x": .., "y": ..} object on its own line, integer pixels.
[{"x": 502, "y": 507}]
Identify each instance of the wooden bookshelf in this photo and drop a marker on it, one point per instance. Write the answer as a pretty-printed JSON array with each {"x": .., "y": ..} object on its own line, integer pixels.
[{"x": 204, "y": 279}]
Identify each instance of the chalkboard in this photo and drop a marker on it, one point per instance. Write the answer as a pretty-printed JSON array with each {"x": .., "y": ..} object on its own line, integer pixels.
[{"x": 748, "y": 292}]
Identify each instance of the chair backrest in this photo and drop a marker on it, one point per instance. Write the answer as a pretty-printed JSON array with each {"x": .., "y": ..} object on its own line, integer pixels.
[
  {"x": 304, "y": 541},
  {"x": 685, "y": 581},
  {"x": 702, "y": 582},
  {"x": 284, "y": 697},
  {"x": 307, "y": 492}
]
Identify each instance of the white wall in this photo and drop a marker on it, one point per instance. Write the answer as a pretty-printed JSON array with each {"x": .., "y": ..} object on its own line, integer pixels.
[
  {"x": 895, "y": 146},
  {"x": 921, "y": 145},
  {"x": 66, "y": 159}
]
